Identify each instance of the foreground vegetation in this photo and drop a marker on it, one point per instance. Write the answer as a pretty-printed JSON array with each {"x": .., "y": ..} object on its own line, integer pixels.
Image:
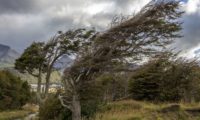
[
  {"x": 14, "y": 93},
  {"x": 104, "y": 71},
  {"x": 10, "y": 115},
  {"x": 20, "y": 113},
  {"x": 134, "y": 110}
]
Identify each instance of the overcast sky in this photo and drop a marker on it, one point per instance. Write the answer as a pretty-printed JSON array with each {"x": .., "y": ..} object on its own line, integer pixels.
[{"x": 25, "y": 21}]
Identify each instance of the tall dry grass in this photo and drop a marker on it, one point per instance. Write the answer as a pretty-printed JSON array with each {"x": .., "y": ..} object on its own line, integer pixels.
[{"x": 134, "y": 110}]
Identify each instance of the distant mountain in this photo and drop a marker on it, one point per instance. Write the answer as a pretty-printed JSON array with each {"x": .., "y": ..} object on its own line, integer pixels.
[
  {"x": 7, "y": 56},
  {"x": 64, "y": 62}
]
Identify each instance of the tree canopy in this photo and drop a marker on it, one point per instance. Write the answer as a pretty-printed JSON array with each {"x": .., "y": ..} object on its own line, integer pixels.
[{"x": 144, "y": 34}]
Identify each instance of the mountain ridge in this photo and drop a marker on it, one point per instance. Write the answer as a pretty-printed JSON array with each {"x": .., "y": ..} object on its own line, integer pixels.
[{"x": 7, "y": 56}]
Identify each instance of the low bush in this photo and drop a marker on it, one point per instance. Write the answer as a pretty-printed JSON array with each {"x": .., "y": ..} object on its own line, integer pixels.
[
  {"x": 14, "y": 93},
  {"x": 166, "y": 80},
  {"x": 53, "y": 110},
  {"x": 91, "y": 99}
]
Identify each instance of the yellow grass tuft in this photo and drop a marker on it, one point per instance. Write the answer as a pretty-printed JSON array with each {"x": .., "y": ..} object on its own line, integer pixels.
[
  {"x": 134, "y": 110},
  {"x": 10, "y": 115}
]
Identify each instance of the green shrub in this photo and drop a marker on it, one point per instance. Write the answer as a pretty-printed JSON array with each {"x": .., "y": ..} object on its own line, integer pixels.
[
  {"x": 163, "y": 79},
  {"x": 14, "y": 93},
  {"x": 90, "y": 102},
  {"x": 53, "y": 110}
]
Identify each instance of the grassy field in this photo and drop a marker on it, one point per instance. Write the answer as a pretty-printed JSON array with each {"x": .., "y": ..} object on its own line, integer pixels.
[
  {"x": 10, "y": 115},
  {"x": 133, "y": 110},
  {"x": 15, "y": 114}
]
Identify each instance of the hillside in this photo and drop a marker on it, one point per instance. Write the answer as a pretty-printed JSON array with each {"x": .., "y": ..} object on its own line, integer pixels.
[
  {"x": 134, "y": 110},
  {"x": 55, "y": 77},
  {"x": 7, "y": 56}
]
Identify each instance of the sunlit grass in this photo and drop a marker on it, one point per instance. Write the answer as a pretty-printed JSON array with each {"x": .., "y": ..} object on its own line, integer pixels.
[
  {"x": 134, "y": 110},
  {"x": 10, "y": 115},
  {"x": 14, "y": 114}
]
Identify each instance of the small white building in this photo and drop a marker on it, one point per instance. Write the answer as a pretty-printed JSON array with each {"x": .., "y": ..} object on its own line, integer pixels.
[{"x": 53, "y": 87}]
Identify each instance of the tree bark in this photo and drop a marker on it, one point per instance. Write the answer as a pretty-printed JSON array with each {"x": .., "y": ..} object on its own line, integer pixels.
[
  {"x": 47, "y": 83},
  {"x": 39, "y": 84},
  {"x": 48, "y": 76},
  {"x": 39, "y": 87},
  {"x": 76, "y": 108}
]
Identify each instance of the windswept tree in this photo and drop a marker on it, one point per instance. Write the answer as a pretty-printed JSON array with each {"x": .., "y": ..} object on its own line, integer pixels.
[
  {"x": 39, "y": 58},
  {"x": 68, "y": 43},
  {"x": 32, "y": 62},
  {"x": 55, "y": 48},
  {"x": 144, "y": 34}
]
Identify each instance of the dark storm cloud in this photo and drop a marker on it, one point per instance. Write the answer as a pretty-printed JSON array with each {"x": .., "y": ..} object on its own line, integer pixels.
[
  {"x": 191, "y": 31},
  {"x": 122, "y": 3},
  {"x": 21, "y": 33},
  {"x": 191, "y": 27},
  {"x": 25, "y": 21},
  {"x": 18, "y": 6},
  {"x": 33, "y": 6}
]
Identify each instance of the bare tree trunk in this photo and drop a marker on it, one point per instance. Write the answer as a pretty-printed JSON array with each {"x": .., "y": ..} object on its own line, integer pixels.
[
  {"x": 73, "y": 104},
  {"x": 76, "y": 108},
  {"x": 38, "y": 94},
  {"x": 39, "y": 84},
  {"x": 48, "y": 76}
]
